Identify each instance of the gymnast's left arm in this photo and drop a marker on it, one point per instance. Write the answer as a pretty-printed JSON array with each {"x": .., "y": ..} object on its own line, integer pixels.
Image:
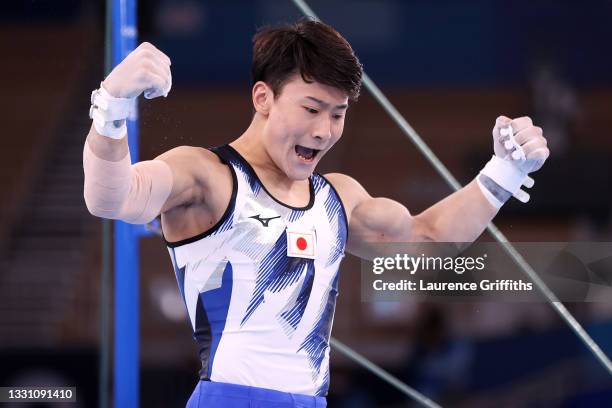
[{"x": 462, "y": 216}]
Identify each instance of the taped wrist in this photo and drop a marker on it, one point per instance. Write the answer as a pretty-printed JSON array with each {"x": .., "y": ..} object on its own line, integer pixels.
[
  {"x": 122, "y": 191},
  {"x": 496, "y": 195},
  {"x": 109, "y": 113},
  {"x": 499, "y": 176}
]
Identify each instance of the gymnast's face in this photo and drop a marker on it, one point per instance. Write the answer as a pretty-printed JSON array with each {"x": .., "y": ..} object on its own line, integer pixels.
[{"x": 303, "y": 123}]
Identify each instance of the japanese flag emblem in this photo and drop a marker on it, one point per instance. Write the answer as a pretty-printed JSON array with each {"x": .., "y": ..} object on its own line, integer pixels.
[{"x": 301, "y": 244}]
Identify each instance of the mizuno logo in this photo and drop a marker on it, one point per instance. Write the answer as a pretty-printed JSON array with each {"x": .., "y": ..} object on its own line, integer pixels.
[{"x": 264, "y": 221}]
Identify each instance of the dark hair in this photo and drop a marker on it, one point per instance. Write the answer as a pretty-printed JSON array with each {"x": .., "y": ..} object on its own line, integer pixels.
[{"x": 315, "y": 50}]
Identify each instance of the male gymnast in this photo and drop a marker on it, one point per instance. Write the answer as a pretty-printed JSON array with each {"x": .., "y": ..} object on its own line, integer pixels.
[{"x": 255, "y": 235}]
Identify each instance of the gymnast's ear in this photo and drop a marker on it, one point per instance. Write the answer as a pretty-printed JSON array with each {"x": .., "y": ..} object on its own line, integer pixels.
[{"x": 262, "y": 97}]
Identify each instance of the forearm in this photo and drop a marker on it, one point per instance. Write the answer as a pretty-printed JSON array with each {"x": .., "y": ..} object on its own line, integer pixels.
[
  {"x": 460, "y": 217},
  {"x": 107, "y": 174},
  {"x": 107, "y": 148},
  {"x": 116, "y": 189}
]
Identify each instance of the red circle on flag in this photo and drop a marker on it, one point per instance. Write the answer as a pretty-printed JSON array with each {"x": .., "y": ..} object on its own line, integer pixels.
[{"x": 301, "y": 243}]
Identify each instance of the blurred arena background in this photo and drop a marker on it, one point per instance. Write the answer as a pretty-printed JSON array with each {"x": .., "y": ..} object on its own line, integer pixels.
[{"x": 451, "y": 67}]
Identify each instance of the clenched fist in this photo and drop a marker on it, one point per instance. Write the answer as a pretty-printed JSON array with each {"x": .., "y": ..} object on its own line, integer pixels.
[
  {"x": 146, "y": 69},
  {"x": 520, "y": 149},
  {"x": 530, "y": 138}
]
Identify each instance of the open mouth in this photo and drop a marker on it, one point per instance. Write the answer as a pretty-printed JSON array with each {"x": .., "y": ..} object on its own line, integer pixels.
[{"x": 306, "y": 153}]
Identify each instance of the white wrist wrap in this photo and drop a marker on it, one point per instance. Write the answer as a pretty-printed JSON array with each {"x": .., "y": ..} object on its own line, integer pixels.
[
  {"x": 508, "y": 176},
  {"x": 109, "y": 113},
  {"x": 504, "y": 173}
]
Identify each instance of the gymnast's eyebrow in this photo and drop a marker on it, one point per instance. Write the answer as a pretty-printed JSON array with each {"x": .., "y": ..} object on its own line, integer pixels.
[{"x": 325, "y": 104}]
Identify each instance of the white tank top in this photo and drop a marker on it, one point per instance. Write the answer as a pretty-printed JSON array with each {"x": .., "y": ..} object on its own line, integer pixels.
[{"x": 260, "y": 286}]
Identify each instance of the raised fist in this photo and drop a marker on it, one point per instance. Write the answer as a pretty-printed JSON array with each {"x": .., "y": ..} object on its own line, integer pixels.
[
  {"x": 146, "y": 69},
  {"x": 527, "y": 151}
]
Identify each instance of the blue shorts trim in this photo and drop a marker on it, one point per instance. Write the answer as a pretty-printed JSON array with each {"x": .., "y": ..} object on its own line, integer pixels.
[{"x": 209, "y": 394}]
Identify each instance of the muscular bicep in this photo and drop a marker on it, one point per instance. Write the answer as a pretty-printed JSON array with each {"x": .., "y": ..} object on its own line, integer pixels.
[
  {"x": 372, "y": 220},
  {"x": 375, "y": 221}
]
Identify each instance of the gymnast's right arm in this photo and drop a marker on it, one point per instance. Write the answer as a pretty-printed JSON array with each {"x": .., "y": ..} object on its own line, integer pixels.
[{"x": 114, "y": 188}]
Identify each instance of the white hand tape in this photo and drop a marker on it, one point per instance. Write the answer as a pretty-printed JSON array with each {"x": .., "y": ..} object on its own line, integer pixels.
[{"x": 518, "y": 153}]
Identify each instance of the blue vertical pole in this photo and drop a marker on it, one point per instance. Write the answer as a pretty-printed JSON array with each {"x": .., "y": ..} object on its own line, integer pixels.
[{"x": 126, "y": 356}]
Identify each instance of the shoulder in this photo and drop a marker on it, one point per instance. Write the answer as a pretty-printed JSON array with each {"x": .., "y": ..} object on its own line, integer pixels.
[
  {"x": 195, "y": 160},
  {"x": 345, "y": 184},
  {"x": 180, "y": 153},
  {"x": 199, "y": 175},
  {"x": 351, "y": 192}
]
